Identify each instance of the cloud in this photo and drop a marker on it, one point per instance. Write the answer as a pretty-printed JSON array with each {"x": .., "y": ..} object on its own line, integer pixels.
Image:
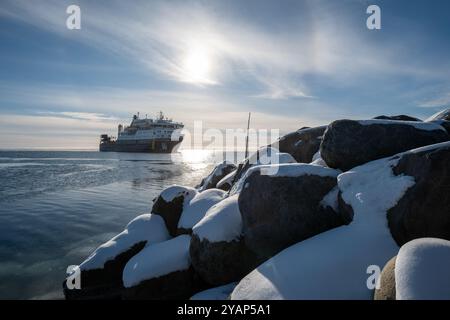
[
  {"x": 80, "y": 115},
  {"x": 443, "y": 100},
  {"x": 161, "y": 36}
]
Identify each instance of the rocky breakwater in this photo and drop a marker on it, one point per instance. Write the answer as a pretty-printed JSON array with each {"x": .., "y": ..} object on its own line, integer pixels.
[{"x": 287, "y": 229}]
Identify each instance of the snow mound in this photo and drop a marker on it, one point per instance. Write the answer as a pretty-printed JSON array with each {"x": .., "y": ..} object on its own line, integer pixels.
[
  {"x": 316, "y": 156},
  {"x": 218, "y": 293},
  {"x": 195, "y": 209},
  {"x": 147, "y": 227},
  {"x": 285, "y": 170},
  {"x": 319, "y": 162},
  {"x": 174, "y": 191},
  {"x": 439, "y": 115},
  {"x": 422, "y": 270},
  {"x": 427, "y": 126},
  {"x": 222, "y": 222},
  {"x": 158, "y": 260},
  {"x": 333, "y": 264},
  {"x": 331, "y": 199}
]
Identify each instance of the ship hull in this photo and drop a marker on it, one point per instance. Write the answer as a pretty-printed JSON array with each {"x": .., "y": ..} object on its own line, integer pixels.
[{"x": 141, "y": 146}]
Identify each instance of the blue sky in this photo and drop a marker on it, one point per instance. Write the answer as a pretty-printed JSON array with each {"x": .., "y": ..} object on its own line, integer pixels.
[{"x": 291, "y": 63}]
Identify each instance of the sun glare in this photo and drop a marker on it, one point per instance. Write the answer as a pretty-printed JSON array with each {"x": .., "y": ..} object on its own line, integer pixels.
[{"x": 197, "y": 66}]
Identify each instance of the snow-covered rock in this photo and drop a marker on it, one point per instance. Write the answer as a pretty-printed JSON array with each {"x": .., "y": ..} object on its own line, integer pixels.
[
  {"x": 441, "y": 115},
  {"x": 101, "y": 272},
  {"x": 301, "y": 144},
  {"x": 264, "y": 156},
  {"x": 219, "y": 172},
  {"x": 196, "y": 208},
  {"x": 170, "y": 204},
  {"x": 281, "y": 209},
  {"x": 333, "y": 264},
  {"x": 146, "y": 228},
  {"x": 349, "y": 143},
  {"x": 217, "y": 250},
  {"x": 218, "y": 293},
  {"x": 227, "y": 182},
  {"x": 422, "y": 270},
  {"x": 161, "y": 271},
  {"x": 423, "y": 211}
]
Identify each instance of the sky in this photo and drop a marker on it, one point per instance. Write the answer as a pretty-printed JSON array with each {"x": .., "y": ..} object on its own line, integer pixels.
[{"x": 291, "y": 63}]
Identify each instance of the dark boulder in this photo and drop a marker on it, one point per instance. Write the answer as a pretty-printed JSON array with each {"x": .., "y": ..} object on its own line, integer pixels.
[
  {"x": 400, "y": 117},
  {"x": 218, "y": 252},
  {"x": 386, "y": 291},
  {"x": 178, "y": 285},
  {"x": 282, "y": 209},
  {"x": 349, "y": 143},
  {"x": 169, "y": 205},
  {"x": 443, "y": 123},
  {"x": 301, "y": 144},
  {"x": 101, "y": 272},
  {"x": 162, "y": 271},
  {"x": 423, "y": 211},
  {"x": 221, "y": 262},
  {"x": 105, "y": 283},
  {"x": 218, "y": 173}
]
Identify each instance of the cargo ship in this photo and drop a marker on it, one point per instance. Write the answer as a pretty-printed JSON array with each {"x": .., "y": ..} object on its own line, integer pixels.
[{"x": 160, "y": 135}]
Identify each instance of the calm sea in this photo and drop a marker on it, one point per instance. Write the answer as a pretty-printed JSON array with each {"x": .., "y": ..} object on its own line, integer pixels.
[{"x": 56, "y": 207}]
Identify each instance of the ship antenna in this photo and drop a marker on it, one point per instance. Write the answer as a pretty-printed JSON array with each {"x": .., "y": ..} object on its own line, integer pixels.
[{"x": 246, "y": 140}]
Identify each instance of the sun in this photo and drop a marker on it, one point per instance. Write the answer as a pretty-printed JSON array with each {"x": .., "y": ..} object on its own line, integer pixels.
[{"x": 196, "y": 66}]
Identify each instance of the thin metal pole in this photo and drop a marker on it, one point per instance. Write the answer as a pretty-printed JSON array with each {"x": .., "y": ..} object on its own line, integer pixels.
[{"x": 246, "y": 140}]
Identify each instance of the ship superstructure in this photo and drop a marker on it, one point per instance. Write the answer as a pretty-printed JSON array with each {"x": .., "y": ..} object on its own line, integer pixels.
[{"x": 160, "y": 135}]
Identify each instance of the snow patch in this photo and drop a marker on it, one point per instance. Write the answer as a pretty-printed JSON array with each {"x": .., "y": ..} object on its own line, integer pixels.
[
  {"x": 195, "y": 209},
  {"x": 147, "y": 227},
  {"x": 317, "y": 156},
  {"x": 427, "y": 126},
  {"x": 422, "y": 270},
  {"x": 174, "y": 191},
  {"x": 222, "y": 222},
  {"x": 285, "y": 170},
  {"x": 331, "y": 199},
  {"x": 158, "y": 260}
]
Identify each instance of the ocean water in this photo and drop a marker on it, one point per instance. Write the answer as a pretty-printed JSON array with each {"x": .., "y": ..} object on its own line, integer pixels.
[{"x": 56, "y": 207}]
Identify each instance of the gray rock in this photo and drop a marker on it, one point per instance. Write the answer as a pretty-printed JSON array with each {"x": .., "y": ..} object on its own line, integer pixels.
[
  {"x": 348, "y": 143},
  {"x": 301, "y": 144},
  {"x": 423, "y": 211},
  {"x": 386, "y": 290},
  {"x": 221, "y": 262},
  {"x": 279, "y": 211}
]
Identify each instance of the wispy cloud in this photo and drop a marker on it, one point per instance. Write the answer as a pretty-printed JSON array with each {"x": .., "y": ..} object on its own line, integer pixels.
[
  {"x": 162, "y": 36},
  {"x": 79, "y": 115},
  {"x": 443, "y": 100}
]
